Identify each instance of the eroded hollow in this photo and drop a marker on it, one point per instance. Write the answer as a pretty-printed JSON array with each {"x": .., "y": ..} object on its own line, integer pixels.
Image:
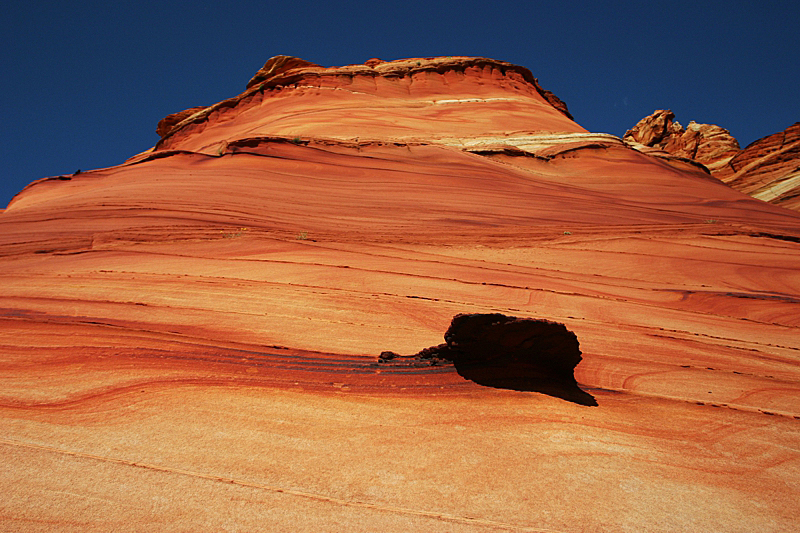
[{"x": 507, "y": 352}]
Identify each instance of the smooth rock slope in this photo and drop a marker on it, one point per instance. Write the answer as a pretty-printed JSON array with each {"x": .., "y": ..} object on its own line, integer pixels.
[{"x": 190, "y": 340}]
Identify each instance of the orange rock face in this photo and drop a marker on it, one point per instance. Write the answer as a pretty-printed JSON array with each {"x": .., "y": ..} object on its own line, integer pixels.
[
  {"x": 450, "y": 100},
  {"x": 166, "y": 124},
  {"x": 191, "y": 339},
  {"x": 767, "y": 169},
  {"x": 707, "y": 144}
]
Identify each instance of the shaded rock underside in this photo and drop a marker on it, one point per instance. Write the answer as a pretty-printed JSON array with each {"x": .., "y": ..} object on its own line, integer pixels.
[{"x": 505, "y": 352}]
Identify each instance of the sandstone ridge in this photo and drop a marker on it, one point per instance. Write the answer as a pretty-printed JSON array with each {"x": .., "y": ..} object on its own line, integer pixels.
[
  {"x": 422, "y": 88},
  {"x": 203, "y": 320},
  {"x": 660, "y": 135},
  {"x": 767, "y": 169}
]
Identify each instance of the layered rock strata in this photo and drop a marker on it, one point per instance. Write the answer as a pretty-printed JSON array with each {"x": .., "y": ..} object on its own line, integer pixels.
[
  {"x": 767, "y": 169},
  {"x": 660, "y": 135},
  {"x": 202, "y": 320},
  {"x": 406, "y": 100}
]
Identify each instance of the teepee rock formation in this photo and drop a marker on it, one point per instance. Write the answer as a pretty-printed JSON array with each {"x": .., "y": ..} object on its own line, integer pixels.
[{"x": 217, "y": 333}]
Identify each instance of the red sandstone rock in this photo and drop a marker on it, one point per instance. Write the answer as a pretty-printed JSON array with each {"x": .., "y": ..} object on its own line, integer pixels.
[
  {"x": 769, "y": 168},
  {"x": 655, "y": 129},
  {"x": 452, "y": 99},
  {"x": 167, "y": 123},
  {"x": 278, "y": 65},
  {"x": 706, "y": 144},
  {"x": 189, "y": 340}
]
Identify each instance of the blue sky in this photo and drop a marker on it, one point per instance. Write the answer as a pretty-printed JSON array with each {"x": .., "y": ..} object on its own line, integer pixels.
[{"x": 84, "y": 83}]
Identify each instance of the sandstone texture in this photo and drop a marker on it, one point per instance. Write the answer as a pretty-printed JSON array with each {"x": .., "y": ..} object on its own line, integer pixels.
[
  {"x": 660, "y": 135},
  {"x": 166, "y": 124},
  {"x": 767, "y": 169},
  {"x": 522, "y": 354},
  {"x": 190, "y": 341}
]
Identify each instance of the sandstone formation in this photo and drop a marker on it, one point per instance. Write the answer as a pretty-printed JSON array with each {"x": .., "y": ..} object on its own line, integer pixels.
[
  {"x": 278, "y": 65},
  {"x": 190, "y": 338},
  {"x": 660, "y": 135},
  {"x": 767, "y": 169},
  {"x": 407, "y": 100},
  {"x": 166, "y": 124}
]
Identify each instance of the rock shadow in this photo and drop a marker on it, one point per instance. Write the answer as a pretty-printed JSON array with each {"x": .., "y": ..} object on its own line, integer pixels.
[
  {"x": 525, "y": 378},
  {"x": 507, "y": 352}
]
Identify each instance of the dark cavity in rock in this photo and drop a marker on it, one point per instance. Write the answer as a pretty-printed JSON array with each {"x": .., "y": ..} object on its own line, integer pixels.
[{"x": 507, "y": 352}]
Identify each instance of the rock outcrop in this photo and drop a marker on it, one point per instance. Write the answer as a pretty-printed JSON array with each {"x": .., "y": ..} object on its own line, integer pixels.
[
  {"x": 166, "y": 124},
  {"x": 448, "y": 99},
  {"x": 660, "y": 135},
  {"x": 767, "y": 169},
  {"x": 279, "y": 65},
  {"x": 203, "y": 320}
]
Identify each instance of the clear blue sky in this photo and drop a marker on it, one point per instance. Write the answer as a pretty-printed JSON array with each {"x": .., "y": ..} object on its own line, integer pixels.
[{"x": 84, "y": 83}]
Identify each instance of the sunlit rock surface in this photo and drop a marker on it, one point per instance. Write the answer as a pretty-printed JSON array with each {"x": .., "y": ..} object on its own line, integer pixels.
[
  {"x": 661, "y": 136},
  {"x": 506, "y": 352},
  {"x": 190, "y": 339},
  {"x": 767, "y": 169}
]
